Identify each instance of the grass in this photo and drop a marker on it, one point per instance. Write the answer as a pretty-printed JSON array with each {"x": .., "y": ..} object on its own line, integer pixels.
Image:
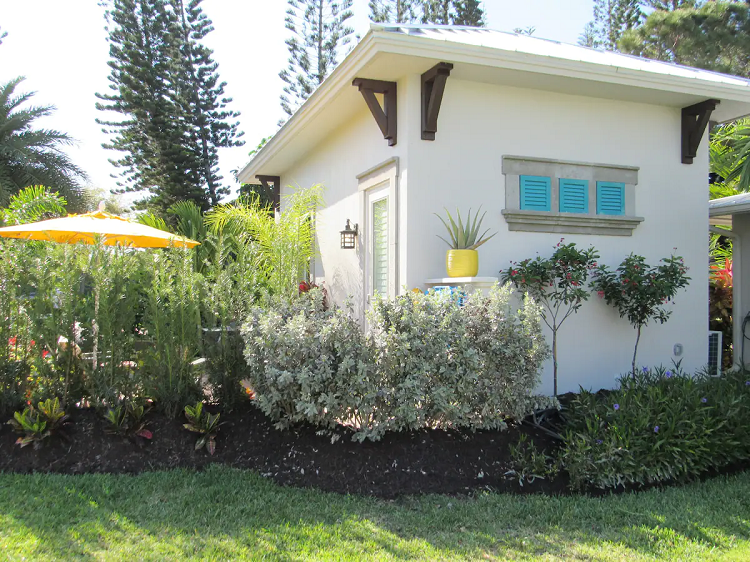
[{"x": 227, "y": 514}]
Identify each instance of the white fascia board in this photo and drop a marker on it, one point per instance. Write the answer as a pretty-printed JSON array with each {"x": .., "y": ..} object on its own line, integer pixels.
[
  {"x": 728, "y": 210},
  {"x": 398, "y": 43},
  {"x": 541, "y": 64}
]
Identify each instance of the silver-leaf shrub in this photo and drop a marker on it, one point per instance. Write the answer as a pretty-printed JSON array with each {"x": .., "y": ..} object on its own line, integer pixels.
[
  {"x": 301, "y": 357},
  {"x": 425, "y": 362}
]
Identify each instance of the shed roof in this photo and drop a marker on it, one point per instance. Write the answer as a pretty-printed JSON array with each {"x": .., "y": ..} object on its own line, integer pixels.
[
  {"x": 521, "y": 43},
  {"x": 391, "y": 51},
  {"x": 721, "y": 211}
]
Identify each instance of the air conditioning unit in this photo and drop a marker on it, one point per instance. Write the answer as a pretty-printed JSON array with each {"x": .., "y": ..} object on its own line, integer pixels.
[{"x": 714, "y": 352}]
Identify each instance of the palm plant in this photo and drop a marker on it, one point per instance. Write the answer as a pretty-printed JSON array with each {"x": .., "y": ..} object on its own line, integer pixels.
[
  {"x": 33, "y": 156},
  {"x": 730, "y": 158},
  {"x": 32, "y": 204},
  {"x": 285, "y": 245}
]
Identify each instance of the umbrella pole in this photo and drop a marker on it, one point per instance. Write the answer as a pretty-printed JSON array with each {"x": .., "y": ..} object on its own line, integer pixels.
[{"x": 95, "y": 326}]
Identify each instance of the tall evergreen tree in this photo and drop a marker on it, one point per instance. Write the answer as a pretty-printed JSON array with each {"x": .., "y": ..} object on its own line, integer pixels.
[
  {"x": 319, "y": 33},
  {"x": 437, "y": 11},
  {"x": 669, "y": 5},
  {"x": 165, "y": 86},
  {"x": 440, "y": 12},
  {"x": 395, "y": 11},
  {"x": 611, "y": 19},
  {"x": 588, "y": 37},
  {"x": 468, "y": 12},
  {"x": 210, "y": 124},
  {"x": 714, "y": 36}
]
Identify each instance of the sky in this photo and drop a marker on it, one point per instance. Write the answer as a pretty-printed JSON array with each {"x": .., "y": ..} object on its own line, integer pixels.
[{"x": 61, "y": 49}]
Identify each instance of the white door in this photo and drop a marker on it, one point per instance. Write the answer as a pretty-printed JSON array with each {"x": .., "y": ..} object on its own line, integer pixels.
[{"x": 378, "y": 263}]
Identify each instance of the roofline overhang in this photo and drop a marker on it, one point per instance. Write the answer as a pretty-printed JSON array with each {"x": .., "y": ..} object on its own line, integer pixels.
[
  {"x": 341, "y": 76},
  {"x": 376, "y": 41},
  {"x": 727, "y": 210}
]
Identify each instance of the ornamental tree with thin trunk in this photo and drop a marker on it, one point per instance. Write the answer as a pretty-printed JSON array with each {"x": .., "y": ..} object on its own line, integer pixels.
[
  {"x": 558, "y": 283},
  {"x": 639, "y": 291}
]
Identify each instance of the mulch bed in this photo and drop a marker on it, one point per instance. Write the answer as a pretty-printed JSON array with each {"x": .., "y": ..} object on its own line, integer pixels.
[{"x": 430, "y": 461}]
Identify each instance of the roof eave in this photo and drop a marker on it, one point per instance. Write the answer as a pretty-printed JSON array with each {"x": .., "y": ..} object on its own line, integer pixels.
[
  {"x": 377, "y": 40},
  {"x": 314, "y": 104}
]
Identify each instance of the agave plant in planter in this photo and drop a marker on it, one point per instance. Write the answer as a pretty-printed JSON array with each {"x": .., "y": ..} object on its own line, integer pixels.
[{"x": 462, "y": 260}]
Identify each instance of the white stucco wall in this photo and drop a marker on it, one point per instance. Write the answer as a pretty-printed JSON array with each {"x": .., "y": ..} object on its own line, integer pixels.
[
  {"x": 336, "y": 163},
  {"x": 478, "y": 124}
]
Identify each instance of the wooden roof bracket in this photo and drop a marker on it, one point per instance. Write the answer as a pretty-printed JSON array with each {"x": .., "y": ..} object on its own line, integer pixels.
[
  {"x": 386, "y": 115},
  {"x": 275, "y": 188},
  {"x": 433, "y": 86},
  {"x": 694, "y": 122}
]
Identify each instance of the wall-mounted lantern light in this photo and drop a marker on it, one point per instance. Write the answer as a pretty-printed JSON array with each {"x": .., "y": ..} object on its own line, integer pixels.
[{"x": 349, "y": 236}]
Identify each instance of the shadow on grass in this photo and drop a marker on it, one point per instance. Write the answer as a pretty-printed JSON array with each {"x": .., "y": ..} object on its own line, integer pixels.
[{"x": 224, "y": 513}]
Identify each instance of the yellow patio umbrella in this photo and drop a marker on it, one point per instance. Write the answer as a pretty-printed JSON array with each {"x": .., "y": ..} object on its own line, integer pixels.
[{"x": 88, "y": 227}]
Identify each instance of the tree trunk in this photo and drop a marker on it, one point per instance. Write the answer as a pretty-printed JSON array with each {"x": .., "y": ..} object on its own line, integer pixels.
[
  {"x": 321, "y": 69},
  {"x": 635, "y": 351},
  {"x": 205, "y": 160},
  {"x": 554, "y": 361}
]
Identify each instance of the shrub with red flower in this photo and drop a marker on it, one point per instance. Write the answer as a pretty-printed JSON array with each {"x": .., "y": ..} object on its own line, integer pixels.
[
  {"x": 558, "y": 283},
  {"x": 304, "y": 287},
  {"x": 720, "y": 303},
  {"x": 639, "y": 291}
]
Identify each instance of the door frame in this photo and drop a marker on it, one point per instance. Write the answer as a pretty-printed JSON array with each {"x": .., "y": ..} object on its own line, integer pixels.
[{"x": 384, "y": 175}]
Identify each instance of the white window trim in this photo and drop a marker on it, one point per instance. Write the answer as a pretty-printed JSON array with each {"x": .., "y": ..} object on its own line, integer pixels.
[
  {"x": 568, "y": 223},
  {"x": 371, "y": 180}
]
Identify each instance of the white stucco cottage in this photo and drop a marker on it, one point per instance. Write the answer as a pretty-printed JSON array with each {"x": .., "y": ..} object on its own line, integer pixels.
[{"x": 418, "y": 118}]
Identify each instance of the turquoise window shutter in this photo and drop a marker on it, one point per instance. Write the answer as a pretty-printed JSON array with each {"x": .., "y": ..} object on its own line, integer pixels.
[
  {"x": 574, "y": 196},
  {"x": 610, "y": 198},
  {"x": 535, "y": 193}
]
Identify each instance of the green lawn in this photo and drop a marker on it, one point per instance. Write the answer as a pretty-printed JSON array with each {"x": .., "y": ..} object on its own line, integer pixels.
[{"x": 223, "y": 514}]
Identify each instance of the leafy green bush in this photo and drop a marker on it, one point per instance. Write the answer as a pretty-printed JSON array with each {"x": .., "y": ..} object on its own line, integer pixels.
[
  {"x": 659, "y": 425},
  {"x": 127, "y": 420},
  {"x": 529, "y": 463},
  {"x": 96, "y": 324},
  {"x": 468, "y": 366},
  {"x": 426, "y": 362}
]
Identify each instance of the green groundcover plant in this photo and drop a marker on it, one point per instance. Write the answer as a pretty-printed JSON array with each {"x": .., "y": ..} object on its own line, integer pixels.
[{"x": 660, "y": 425}]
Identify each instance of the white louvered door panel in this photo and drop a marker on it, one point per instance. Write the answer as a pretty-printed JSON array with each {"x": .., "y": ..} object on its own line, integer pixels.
[{"x": 380, "y": 244}]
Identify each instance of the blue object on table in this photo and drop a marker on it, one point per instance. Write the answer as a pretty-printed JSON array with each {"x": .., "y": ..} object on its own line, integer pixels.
[{"x": 456, "y": 293}]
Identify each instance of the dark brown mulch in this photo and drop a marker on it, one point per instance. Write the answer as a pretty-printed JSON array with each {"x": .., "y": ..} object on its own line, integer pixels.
[{"x": 430, "y": 461}]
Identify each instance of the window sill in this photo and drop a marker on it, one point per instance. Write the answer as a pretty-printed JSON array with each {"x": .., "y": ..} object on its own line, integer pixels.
[{"x": 571, "y": 223}]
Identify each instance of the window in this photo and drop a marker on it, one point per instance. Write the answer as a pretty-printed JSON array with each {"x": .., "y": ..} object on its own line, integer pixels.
[
  {"x": 535, "y": 193},
  {"x": 380, "y": 246},
  {"x": 545, "y": 195},
  {"x": 610, "y": 198},
  {"x": 574, "y": 196}
]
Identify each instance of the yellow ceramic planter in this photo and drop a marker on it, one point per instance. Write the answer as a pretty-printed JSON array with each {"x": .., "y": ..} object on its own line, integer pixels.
[{"x": 462, "y": 263}]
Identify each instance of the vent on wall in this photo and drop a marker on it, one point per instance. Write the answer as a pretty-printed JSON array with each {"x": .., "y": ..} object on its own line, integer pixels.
[{"x": 714, "y": 352}]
